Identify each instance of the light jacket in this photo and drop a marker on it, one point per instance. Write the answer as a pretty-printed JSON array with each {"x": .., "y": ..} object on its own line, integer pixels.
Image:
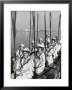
[
  {"x": 19, "y": 53},
  {"x": 49, "y": 57},
  {"x": 25, "y": 69},
  {"x": 56, "y": 50},
  {"x": 40, "y": 64}
]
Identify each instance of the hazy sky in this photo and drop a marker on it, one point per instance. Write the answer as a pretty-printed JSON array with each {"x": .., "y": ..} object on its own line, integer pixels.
[{"x": 23, "y": 20}]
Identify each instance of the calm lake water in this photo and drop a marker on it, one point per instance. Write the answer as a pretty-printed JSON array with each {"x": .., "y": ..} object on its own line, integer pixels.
[{"x": 23, "y": 37}]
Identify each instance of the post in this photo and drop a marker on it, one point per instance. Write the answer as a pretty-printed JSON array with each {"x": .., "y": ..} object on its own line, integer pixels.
[{"x": 59, "y": 25}]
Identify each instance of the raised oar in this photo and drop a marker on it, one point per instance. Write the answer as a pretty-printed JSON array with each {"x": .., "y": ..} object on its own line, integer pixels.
[
  {"x": 59, "y": 25},
  {"x": 37, "y": 26},
  {"x": 33, "y": 14},
  {"x": 50, "y": 25},
  {"x": 13, "y": 16},
  {"x": 45, "y": 33},
  {"x": 30, "y": 31}
]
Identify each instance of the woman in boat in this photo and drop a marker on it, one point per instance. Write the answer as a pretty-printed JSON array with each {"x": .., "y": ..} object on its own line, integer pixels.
[
  {"x": 19, "y": 52},
  {"x": 40, "y": 40},
  {"x": 33, "y": 54},
  {"x": 32, "y": 46},
  {"x": 49, "y": 56},
  {"x": 47, "y": 41},
  {"x": 25, "y": 67},
  {"x": 40, "y": 60},
  {"x": 57, "y": 48}
]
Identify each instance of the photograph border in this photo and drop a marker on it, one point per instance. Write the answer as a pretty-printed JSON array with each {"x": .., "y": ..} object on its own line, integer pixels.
[{"x": 2, "y": 2}]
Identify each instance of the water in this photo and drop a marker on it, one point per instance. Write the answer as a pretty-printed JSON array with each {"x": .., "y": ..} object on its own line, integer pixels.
[{"x": 23, "y": 37}]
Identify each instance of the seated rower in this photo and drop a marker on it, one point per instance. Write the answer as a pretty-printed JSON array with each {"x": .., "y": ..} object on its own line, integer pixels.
[
  {"x": 33, "y": 54},
  {"x": 25, "y": 67},
  {"x": 47, "y": 41},
  {"x": 40, "y": 41},
  {"x": 53, "y": 43},
  {"x": 32, "y": 46},
  {"x": 40, "y": 60},
  {"x": 49, "y": 57},
  {"x": 57, "y": 48},
  {"x": 19, "y": 52},
  {"x": 58, "y": 43}
]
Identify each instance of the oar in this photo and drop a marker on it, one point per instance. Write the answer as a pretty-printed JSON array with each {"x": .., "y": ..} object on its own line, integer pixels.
[
  {"x": 30, "y": 31},
  {"x": 34, "y": 27},
  {"x": 37, "y": 26},
  {"x": 13, "y": 16},
  {"x": 50, "y": 25},
  {"x": 45, "y": 33},
  {"x": 33, "y": 14}
]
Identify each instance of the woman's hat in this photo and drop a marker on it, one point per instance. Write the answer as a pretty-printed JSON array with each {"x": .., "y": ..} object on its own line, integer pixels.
[
  {"x": 21, "y": 45},
  {"x": 26, "y": 50},
  {"x": 32, "y": 41},
  {"x": 33, "y": 49},
  {"x": 40, "y": 45},
  {"x": 40, "y": 39}
]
